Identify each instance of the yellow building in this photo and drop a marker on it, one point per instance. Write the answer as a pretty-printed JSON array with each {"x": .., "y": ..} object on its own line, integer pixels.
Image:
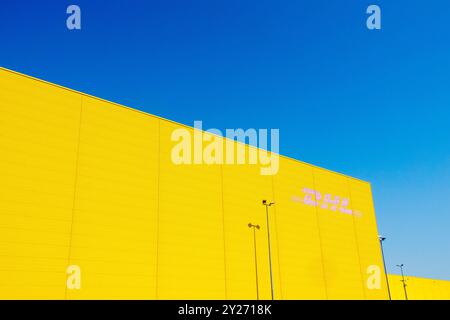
[
  {"x": 90, "y": 184},
  {"x": 418, "y": 288}
]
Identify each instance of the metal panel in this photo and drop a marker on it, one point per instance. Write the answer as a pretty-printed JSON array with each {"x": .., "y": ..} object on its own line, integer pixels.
[{"x": 92, "y": 183}]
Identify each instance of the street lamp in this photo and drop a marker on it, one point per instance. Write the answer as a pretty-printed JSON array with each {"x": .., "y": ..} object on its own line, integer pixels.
[
  {"x": 384, "y": 264},
  {"x": 255, "y": 226},
  {"x": 403, "y": 280},
  {"x": 267, "y": 204}
]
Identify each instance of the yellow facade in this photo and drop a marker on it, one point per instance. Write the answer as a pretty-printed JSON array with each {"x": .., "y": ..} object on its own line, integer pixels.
[
  {"x": 418, "y": 288},
  {"x": 90, "y": 183}
]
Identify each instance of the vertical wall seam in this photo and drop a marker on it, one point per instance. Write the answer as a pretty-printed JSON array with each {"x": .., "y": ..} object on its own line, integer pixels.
[
  {"x": 276, "y": 237},
  {"x": 356, "y": 240},
  {"x": 320, "y": 239},
  {"x": 75, "y": 186},
  {"x": 223, "y": 232},
  {"x": 158, "y": 211}
]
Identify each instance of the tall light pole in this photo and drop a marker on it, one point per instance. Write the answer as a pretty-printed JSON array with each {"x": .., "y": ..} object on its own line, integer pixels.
[
  {"x": 267, "y": 204},
  {"x": 255, "y": 226},
  {"x": 384, "y": 264},
  {"x": 403, "y": 280}
]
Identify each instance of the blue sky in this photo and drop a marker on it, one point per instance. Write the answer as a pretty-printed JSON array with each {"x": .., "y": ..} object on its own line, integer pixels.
[{"x": 370, "y": 104}]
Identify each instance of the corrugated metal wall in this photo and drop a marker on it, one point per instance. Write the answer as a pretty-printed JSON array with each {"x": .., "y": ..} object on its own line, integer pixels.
[
  {"x": 87, "y": 182},
  {"x": 419, "y": 288}
]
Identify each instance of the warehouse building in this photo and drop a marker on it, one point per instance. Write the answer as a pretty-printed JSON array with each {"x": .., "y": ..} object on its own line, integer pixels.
[{"x": 89, "y": 190}]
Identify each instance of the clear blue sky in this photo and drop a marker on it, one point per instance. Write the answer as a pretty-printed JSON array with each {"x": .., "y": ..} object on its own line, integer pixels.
[{"x": 371, "y": 104}]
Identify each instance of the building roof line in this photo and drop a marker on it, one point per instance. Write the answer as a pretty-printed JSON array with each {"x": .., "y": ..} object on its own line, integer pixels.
[{"x": 164, "y": 119}]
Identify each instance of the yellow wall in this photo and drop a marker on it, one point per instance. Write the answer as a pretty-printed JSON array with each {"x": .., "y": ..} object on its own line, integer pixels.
[
  {"x": 419, "y": 288},
  {"x": 90, "y": 183}
]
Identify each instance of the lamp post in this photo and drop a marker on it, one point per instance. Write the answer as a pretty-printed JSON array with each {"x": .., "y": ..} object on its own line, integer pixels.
[
  {"x": 403, "y": 280},
  {"x": 255, "y": 226},
  {"x": 267, "y": 204},
  {"x": 384, "y": 264}
]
